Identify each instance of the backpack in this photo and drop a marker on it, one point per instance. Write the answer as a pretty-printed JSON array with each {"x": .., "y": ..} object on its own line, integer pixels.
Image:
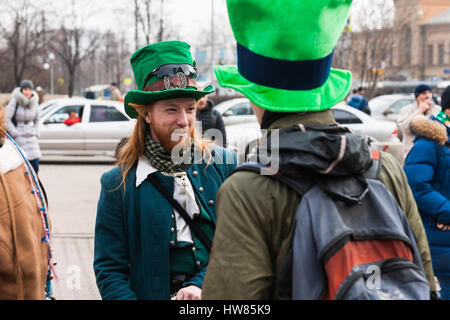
[{"x": 350, "y": 249}]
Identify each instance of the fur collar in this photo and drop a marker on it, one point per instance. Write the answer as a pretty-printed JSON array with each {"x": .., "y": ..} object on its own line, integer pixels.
[
  {"x": 429, "y": 128},
  {"x": 23, "y": 101},
  {"x": 9, "y": 158}
]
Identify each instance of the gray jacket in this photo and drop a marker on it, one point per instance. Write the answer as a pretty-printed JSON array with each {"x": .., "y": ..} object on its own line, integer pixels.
[{"x": 26, "y": 130}]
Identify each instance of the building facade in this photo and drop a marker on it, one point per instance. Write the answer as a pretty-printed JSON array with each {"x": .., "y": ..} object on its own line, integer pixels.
[{"x": 417, "y": 47}]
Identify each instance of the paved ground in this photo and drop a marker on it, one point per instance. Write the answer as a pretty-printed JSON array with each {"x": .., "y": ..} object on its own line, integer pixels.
[{"x": 73, "y": 191}]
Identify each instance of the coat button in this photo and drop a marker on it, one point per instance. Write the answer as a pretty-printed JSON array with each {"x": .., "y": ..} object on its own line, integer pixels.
[
  {"x": 195, "y": 173},
  {"x": 200, "y": 189},
  {"x": 172, "y": 229},
  {"x": 172, "y": 243},
  {"x": 198, "y": 263},
  {"x": 211, "y": 203},
  {"x": 193, "y": 249}
]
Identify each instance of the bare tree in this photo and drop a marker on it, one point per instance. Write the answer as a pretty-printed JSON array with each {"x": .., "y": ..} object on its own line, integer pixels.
[
  {"x": 342, "y": 51},
  {"x": 73, "y": 44},
  {"x": 24, "y": 33},
  {"x": 114, "y": 54},
  {"x": 372, "y": 43},
  {"x": 161, "y": 21},
  {"x": 149, "y": 21}
]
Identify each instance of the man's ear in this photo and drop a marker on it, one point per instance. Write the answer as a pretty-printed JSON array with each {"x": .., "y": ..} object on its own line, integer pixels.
[{"x": 148, "y": 118}]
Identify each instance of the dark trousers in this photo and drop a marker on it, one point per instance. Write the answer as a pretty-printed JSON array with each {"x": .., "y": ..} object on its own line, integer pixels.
[{"x": 35, "y": 164}]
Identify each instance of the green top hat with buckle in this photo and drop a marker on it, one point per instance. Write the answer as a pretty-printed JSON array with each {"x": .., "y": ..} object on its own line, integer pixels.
[
  {"x": 163, "y": 70},
  {"x": 285, "y": 51}
]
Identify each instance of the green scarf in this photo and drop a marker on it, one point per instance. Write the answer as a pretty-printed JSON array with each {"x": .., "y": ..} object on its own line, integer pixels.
[
  {"x": 161, "y": 159},
  {"x": 443, "y": 117}
]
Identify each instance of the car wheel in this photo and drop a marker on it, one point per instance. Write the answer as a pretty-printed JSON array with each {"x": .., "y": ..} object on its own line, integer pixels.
[{"x": 122, "y": 142}]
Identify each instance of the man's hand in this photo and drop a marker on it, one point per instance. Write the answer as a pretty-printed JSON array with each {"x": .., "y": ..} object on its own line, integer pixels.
[
  {"x": 190, "y": 293},
  {"x": 424, "y": 106},
  {"x": 443, "y": 227}
]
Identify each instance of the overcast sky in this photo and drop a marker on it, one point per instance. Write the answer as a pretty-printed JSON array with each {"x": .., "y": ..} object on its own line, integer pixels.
[{"x": 191, "y": 18}]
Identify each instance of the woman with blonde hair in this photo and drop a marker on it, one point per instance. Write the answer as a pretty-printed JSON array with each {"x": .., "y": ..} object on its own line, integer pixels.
[{"x": 156, "y": 212}]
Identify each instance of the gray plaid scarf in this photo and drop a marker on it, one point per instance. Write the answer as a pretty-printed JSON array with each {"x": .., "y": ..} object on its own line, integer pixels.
[{"x": 161, "y": 159}]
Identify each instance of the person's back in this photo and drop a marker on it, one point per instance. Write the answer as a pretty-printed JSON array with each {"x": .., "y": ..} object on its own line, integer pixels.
[
  {"x": 115, "y": 93},
  {"x": 268, "y": 218},
  {"x": 360, "y": 103},
  {"x": 256, "y": 215}
]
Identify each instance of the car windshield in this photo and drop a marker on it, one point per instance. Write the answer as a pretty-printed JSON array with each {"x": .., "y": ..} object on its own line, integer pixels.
[
  {"x": 46, "y": 109},
  {"x": 376, "y": 104}
]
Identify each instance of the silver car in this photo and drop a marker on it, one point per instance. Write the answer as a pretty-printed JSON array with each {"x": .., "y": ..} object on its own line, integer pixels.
[
  {"x": 358, "y": 121},
  {"x": 243, "y": 136},
  {"x": 236, "y": 111},
  {"x": 387, "y": 107},
  {"x": 104, "y": 124}
]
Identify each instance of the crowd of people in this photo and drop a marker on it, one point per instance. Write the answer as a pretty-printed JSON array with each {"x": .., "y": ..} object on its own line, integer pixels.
[{"x": 177, "y": 218}]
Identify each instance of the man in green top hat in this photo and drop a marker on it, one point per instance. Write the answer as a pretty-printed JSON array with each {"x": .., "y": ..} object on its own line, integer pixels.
[
  {"x": 156, "y": 212},
  {"x": 285, "y": 71}
]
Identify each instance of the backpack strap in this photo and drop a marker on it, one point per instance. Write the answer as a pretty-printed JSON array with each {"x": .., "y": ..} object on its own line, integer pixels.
[
  {"x": 283, "y": 286},
  {"x": 374, "y": 171},
  {"x": 194, "y": 228}
]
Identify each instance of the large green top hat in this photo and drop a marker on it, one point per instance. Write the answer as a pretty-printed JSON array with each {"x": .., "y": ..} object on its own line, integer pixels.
[
  {"x": 284, "y": 51},
  {"x": 163, "y": 70}
]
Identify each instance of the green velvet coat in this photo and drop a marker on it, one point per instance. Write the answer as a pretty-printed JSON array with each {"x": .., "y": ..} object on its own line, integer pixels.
[{"x": 132, "y": 230}]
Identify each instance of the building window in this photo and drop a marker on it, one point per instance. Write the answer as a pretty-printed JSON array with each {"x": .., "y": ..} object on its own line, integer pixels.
[
  {"x": 441, "y": 54},
  {"x": 430, "y": 55}
]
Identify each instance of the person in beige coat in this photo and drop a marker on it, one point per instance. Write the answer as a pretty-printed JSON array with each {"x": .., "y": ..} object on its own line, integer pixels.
[
  {"x": 423, "y": 105},
  {"x": 24, "y": 241},
  {"x": 115, "y": 92}
]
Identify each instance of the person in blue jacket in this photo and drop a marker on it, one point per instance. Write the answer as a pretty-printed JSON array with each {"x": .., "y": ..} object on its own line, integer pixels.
[
  {"x": 427, "y": 167},
  {"x": 144, "y": 248}
]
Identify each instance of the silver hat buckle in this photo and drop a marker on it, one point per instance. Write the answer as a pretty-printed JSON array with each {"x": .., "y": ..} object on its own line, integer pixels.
[{"x": 179, "y": 75}]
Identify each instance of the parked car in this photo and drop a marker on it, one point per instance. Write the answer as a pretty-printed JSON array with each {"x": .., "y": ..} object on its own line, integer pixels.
[
  {"x": 243, "y": 136},
  {"x": 235, "y": 111},
  {"x": 104, "y": 124},
  {"x": 387, "y": 107},
  {"x": 358, "y": 121}
]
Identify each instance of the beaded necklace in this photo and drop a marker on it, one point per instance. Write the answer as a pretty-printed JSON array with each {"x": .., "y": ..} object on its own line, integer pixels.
[{"x": 36, "y": 191}]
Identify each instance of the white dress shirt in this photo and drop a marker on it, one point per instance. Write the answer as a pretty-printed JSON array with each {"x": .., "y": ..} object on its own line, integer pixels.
[{"x": 183, "y": 193}]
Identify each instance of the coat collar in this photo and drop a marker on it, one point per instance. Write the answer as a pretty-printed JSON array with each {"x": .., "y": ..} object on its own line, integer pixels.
[
  {"x": 143, "y": 169},
  {"x": 317, "y": 118},
  {"x": 10, "y": 158},
  {"x": 23, "y": 101},
  {"x": 430, "y": 128}
]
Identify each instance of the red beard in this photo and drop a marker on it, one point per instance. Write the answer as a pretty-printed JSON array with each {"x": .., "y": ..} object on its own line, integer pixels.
[{"x": 166, "y": 139}]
